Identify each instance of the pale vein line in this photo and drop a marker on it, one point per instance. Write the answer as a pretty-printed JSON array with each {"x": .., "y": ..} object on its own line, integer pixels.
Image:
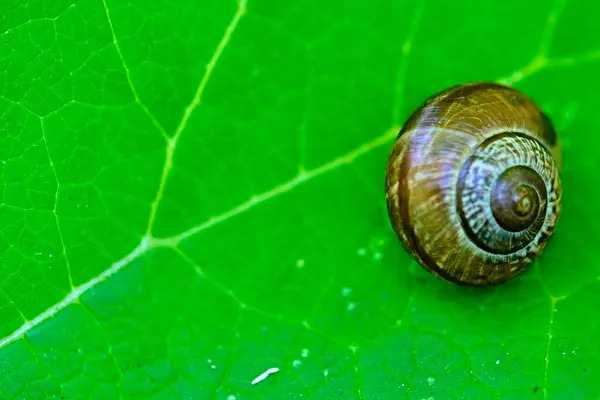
[
  {"x": 75, "y": 294},
  {"x": 404, "y": 313},
  {"x": 102, "y": 331},
  {"x": 538, "y": 64},
  {"x": 60, "y": 234},
  {"x": 403, "y": 64},
  {"x": 548, "y": 35},
  {"x": 148, "y": 242},
  {"x": 540, "y": 60},
  {"x": 233, "y": 347},
  {"x": 161, "y": 129},
  {"x": 576, "y": 59},
  {"x": 172, "y": 143},
  {"x": 145, "y": 243},
  {"x": 11, "y": 301},
  {"x": 581, "y": 289},
  {"x": 217, "y": 284},
  {"x": 552, "y": 312},
  {"x": 53, "y": 19},
  {"x": 281, "y": 189},
  {"x": 244, "y": 307},
  {"x": 357, "y": 373}
]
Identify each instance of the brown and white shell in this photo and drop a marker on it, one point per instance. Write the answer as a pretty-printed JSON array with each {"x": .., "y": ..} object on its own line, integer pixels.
[{"x": 472, "y": 183}]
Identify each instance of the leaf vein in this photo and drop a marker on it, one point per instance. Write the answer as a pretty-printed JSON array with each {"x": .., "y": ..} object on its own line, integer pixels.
[
  {"x": 160, "y": 128},
  {"x": 403, "y": 63},
  {"x": 172, "y": 142},
  {"x": 60, "y": 234},
  {"x": 149, "y": 242},
  {"x": 555, "y": 300},
  {"x": 299, "y": 179},
  {"x": 74, "y": 295}
]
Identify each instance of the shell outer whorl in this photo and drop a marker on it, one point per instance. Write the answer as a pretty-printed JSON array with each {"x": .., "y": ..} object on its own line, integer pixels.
[{"x": 472, "y": 183}]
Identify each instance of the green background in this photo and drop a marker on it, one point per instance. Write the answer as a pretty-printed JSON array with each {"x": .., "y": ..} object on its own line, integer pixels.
[{"x": 192, "y": 192}]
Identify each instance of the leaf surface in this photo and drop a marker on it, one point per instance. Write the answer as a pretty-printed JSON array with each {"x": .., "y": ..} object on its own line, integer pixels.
[{"x": 192, "y": 196}]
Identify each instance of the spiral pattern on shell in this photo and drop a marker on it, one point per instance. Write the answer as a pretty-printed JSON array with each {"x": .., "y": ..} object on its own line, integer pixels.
[{"x": 472, "y": 183}]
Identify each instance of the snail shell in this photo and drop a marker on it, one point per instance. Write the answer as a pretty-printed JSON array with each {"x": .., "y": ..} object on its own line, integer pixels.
[{"x": 472, "y": 183}]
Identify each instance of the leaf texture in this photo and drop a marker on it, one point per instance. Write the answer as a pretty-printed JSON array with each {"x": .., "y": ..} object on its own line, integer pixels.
[{"x": 192, "y": 196}]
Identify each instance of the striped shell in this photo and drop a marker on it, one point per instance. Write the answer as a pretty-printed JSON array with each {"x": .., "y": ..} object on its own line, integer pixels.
[{"x": 472, "y": 183}]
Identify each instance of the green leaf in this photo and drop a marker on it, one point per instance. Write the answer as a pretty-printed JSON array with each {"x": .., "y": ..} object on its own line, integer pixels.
[{"x": 192, "y": 196}]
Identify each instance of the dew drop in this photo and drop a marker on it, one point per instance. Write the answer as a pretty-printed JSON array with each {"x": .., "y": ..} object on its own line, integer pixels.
[{"x": 304, "y": 352}]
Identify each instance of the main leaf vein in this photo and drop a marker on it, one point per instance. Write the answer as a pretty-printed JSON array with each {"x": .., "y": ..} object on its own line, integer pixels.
[
  {"x": 172, "y": 142},
  {"x": 149, "y": 242}
]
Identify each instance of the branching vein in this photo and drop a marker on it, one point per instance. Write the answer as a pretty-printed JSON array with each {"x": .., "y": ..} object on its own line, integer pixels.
[
  {"x": 542, "y": 60},
  {"x": 144, "y": 245},
  {"x": 128, "y": 75},
  {"x": 403, "y": 63},
  {"x": 281, "y": 189},
  {"x": 148, "y": 242},
  {"x": 74, "y": 295},
  {"x": 548, "y": 35},
  {"x": 172, "y": 142},
  {"x": 60, "y": 234},
  {"x": 539, "y": 62}
]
